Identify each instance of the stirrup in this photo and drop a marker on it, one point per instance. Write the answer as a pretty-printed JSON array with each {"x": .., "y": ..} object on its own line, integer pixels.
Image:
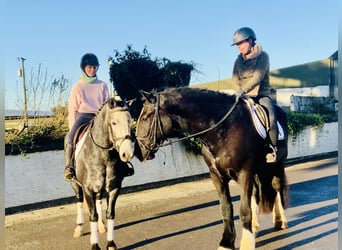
[{"x": 272, "y": 157}]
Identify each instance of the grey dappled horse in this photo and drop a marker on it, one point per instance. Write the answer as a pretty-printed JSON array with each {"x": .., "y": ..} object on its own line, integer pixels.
[{"x": 105, "y": 145}]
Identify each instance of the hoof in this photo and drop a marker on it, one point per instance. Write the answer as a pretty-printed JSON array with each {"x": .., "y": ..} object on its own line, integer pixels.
[
  {"x": 95, "y": 247},
  {"x": 77, "y": 233},
  {"x": 102, "y": 228},
  {"x": 279, "y": 225},
  {"x": 224, "y": 248},
  {"x": 111, "y": 246}
]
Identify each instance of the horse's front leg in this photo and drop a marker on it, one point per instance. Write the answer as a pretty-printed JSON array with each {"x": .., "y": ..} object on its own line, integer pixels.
[
  {"x": 247, "y": 238},
  {"x": 90, "y": 198},
  {"x": 229, "y": 234},
  {"x": 279, "y": 218},
  {"x": 100, "y": 224},
  {"x": 222, "y": 188},
  {"x": 113, "y": 187},
  {"x": 110, "y": 215}
]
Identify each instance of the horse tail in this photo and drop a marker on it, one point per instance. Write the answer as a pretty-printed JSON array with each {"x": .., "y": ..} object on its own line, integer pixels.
[{"x": 266, "y": 186}]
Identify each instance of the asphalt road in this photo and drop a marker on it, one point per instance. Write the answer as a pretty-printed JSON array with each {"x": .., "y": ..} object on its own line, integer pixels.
[{"x": 187, "y": 216}]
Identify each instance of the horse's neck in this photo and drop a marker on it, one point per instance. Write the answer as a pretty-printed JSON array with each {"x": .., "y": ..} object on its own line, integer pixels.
[
  {"x": 195, "y": 119},
  {"x": 99, "y": 127},
  {"x": 187, "y": 123}
]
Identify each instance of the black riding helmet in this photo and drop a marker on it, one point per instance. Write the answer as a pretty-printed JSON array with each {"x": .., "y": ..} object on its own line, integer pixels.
[
  {"x": 89, "y": 59},
  {"x": 242, "y": 34}
]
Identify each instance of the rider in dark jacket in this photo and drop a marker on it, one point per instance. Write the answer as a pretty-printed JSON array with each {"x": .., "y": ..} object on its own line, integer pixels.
[{"x": 251, "y": 75}]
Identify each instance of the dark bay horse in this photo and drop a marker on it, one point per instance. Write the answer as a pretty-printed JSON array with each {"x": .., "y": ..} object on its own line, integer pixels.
[
  {"x": 105, "y": 146},
  {"x": 231, "y": 147}
]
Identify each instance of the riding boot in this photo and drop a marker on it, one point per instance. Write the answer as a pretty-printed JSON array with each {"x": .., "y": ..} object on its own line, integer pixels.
[
  {"x": 273, "y": 137},
  {"x": 69, "y": 171}
]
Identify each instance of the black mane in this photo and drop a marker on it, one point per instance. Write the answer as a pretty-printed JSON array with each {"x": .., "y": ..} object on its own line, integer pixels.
[{"x": 213, "y": 103}]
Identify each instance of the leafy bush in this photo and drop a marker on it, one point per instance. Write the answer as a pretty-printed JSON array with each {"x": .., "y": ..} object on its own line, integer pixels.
[
  {"x": 132, "y": 71},
  {"x": 42, "y": 134},
  {"x": 297, "y": 122}
]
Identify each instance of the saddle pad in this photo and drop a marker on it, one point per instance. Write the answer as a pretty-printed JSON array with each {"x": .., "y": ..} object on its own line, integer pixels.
[
  {"x": 260, "y": 128},
  {"x": 80, "y": 143}
]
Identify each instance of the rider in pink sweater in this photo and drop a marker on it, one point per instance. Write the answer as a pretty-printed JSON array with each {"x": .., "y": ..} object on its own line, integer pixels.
[{"x": 87, "y": 96}]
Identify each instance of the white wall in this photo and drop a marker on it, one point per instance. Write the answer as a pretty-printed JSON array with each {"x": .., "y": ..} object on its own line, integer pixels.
[{"x": 38, "y": 177}]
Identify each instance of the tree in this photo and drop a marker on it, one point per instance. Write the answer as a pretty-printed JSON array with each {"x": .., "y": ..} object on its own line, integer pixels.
[{"x": 133, "y": 71}]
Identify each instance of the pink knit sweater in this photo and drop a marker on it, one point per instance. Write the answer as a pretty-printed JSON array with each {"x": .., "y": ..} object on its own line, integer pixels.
[{"x": 86, "y": 98}]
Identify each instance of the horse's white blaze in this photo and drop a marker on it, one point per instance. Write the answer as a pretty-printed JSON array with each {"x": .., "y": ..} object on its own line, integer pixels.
[
  {"x": 255, "y": 212},
  {"x": 247, "y": 240},
  {"x": 121, "y": 127},
  {"x": 94, "y": 237},
  {"x": 279, "y": 218},
  {"x": 126, "y": 151},
  {"x": 110, "y": 232}
]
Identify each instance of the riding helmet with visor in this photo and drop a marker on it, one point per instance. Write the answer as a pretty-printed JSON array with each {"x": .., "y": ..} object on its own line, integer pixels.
[
  {"x": 243, "y": 34},
  {"x": 89, "y": 59}
]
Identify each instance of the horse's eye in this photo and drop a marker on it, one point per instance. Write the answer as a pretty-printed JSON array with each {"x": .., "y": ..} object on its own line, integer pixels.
[{"x": 114, "y": 123}]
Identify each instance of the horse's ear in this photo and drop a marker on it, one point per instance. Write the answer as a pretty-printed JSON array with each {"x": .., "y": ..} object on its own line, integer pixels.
[
  {"x": 111, "y": 102},
  {"x": 147, "y": 96}
]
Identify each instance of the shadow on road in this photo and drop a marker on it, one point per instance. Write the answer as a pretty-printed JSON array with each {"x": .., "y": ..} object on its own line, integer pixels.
[
  {"x": 311, "y": 192},
  {"x": 174, "y": 212},
  {"x": 301, "y": 194}
]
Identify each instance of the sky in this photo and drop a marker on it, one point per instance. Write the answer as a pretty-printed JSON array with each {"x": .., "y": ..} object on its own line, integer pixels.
[{"x": 56, "y": 34}]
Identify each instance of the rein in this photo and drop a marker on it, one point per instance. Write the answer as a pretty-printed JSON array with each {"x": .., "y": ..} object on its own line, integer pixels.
[
  {"x": 93, "y": 140},
  {"x": 157, "y": 121}
]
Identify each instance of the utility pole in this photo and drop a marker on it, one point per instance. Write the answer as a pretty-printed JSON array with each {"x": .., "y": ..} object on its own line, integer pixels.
[{"x": 21, "y": 73}]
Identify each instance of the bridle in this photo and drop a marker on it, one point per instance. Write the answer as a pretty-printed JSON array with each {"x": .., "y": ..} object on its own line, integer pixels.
[
  {"x": 115, "y": 142},
  {"x": 157, "y": 124},
  {"x": 152, "y": 132}
]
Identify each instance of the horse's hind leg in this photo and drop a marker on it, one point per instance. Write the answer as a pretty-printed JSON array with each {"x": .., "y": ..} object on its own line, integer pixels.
[
  {"x": 279, "y": 218},
  {"x": 255, "y": 212},
  {"x": 78, "y": 231}
]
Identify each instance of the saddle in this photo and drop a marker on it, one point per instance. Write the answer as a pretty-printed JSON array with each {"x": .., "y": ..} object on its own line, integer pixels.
[
  {"x": 79, "y": 135},
  {"x": 260, "y": 118}
]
